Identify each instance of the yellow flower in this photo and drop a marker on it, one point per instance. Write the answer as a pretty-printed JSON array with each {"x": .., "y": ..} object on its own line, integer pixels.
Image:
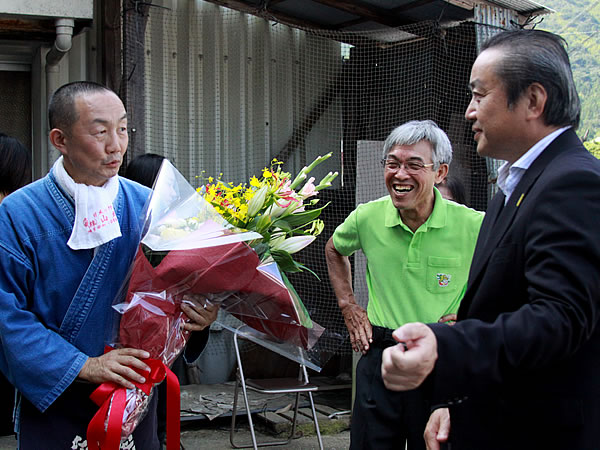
[
  {"x": 254, "y": 182},
  {"x": 267, "y": 173}
]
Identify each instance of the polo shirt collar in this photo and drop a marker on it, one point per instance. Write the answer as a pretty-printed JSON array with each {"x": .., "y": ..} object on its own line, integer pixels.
[{"x": 437, "y": 218}]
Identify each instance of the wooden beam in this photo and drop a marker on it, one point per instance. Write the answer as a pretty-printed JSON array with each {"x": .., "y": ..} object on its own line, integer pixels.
[
  {"x": 390, "y": 17},
  {"x": 349, "y": 23},
  {"x": 110, "y": 22},
  {"x": 33, "y": 29},
  {"x": 369, "y": 12},
  {"x": 269, "y": 14},
  {"x": 396, "y": 13},
  {"x": 410, "y": 6},
  {"x": 132, "y": 89}
]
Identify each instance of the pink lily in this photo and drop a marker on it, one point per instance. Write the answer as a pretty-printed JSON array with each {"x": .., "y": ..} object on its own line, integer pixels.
[
  {"x": 308, "y": 190},
  {"x": 285, "y": 205},
  {"x": 285, "y": 192}
]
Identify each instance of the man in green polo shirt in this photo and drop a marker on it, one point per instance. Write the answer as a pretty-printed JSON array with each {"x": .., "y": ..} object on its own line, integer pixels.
[{"x": 418, "y": 248}]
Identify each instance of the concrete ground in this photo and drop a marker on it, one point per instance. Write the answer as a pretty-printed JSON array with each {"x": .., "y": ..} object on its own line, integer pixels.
[
  {"x": 197, "y": 432},
  {"x": 215, "y": 436}
]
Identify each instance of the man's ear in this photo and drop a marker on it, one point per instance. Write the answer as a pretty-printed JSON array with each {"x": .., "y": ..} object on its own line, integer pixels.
[
  {"x": 58, "y": 140},
  {"x": 441, "y": 173},
  {"x": 536, "y": 100}
]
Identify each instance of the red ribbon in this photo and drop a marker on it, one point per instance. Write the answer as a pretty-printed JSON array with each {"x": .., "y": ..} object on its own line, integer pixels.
[{"x": 109, "y": 438}]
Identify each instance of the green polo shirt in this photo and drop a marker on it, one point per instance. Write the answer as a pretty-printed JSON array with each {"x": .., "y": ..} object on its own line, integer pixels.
[{"x": 411, "y": 277}]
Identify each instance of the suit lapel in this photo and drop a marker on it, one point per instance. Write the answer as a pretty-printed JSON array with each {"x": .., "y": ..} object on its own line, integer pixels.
[
  {"x": 494, "y": 229},
  {"x": 495, "y": 207}
]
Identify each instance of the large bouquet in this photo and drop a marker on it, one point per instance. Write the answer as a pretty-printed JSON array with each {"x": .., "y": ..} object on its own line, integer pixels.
[
  {"x": 229, "y": 244},
  {"x": 281, "y": 208},
  {"x": 274, "y": 207}
]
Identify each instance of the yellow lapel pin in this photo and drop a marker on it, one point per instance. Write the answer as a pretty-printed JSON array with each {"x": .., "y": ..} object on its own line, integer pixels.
[{"x": 520, "y": 199}]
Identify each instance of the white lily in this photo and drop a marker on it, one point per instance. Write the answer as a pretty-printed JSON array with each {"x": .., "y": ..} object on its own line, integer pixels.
[
  {"x": 276, "y": 239},
  {"x": 306, "y": 170},
  {"x": 293, "y": 244},
  {"x": 275, "y": 211},
  {"x": 299, "y": 178},
  {"x": 257, "y": 202},
  {"x": 326, "y": 181},
  {"x": 173, "y": 233}
]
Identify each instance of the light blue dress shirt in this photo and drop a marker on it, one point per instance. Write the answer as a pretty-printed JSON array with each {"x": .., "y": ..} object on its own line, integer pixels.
[{"x": 510, "y": 175}]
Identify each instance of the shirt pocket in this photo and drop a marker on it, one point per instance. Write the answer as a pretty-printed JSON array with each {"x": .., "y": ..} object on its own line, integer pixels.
[{"x": 442, "y": 275}]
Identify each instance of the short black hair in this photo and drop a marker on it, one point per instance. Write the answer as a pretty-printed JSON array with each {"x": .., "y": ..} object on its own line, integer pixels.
[
  {"x": 15, "y": 164},
  {"x": 62, "y": 113},
  {"x": 536, "y": 56},
  {"x": 144, "y": 168},
  {"x": 456, "y": 188}
]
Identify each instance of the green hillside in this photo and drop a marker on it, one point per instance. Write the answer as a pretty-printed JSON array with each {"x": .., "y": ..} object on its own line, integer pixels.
[{"x": 578, "y": 21}]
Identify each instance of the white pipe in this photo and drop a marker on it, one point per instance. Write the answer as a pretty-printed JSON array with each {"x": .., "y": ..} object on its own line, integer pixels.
[
  {"x": 62, "y": 45},
  {"x": 63, "y": 42}
]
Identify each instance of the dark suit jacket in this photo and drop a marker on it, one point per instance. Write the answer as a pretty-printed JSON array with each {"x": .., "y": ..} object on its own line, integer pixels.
[{"x": 521, "y": 368}]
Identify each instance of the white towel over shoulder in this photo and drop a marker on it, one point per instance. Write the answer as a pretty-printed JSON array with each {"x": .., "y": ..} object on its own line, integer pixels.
[{"x": 95, "y": 220}]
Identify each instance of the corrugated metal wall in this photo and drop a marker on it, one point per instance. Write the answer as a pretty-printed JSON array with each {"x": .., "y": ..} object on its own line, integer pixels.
[{"x": 225, "y": 91}]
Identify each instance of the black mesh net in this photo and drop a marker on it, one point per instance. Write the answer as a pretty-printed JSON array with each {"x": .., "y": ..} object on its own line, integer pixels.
[{"x": 219, "y": 91}]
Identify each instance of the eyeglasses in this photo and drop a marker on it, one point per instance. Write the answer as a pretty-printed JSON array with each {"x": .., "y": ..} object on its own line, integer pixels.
[{"x": 410, "y": 167}]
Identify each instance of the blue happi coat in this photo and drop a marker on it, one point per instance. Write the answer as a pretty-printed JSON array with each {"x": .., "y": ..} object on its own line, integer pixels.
[{"x": 55, "y": 303}]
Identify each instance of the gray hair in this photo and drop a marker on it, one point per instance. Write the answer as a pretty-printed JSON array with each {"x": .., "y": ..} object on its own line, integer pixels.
[
  {"x": 536, "y": 56},
  {"x": 421, "y": 130}
]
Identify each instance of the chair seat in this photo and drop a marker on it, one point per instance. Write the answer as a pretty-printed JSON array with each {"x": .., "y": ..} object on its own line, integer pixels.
[{"x": 280, "y": 385}]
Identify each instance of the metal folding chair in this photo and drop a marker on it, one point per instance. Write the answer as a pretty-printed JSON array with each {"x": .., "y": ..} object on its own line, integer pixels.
[{"x": 269, "y": 386}]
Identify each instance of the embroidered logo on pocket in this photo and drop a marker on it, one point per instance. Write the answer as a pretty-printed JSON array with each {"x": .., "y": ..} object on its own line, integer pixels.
[{"x": 443, "y": 279}]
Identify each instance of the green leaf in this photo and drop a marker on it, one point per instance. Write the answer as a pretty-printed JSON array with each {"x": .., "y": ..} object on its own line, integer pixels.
[
  {"x": 303, "y": 218},
  {"x": 263, "y": 224},
  {"x": 153, "y": 257},
  {"x": 304, "y": 316},
  {"x": 251, "y": 224},
  {"x": 283, "y": 224},
  {"x": 285, "y": 261},
  {"x": 303, "y": 268},
  {"x": 261, "y": 249}
]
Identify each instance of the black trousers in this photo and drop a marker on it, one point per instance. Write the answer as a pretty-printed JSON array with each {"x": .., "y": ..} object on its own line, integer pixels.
[
  {"x": 7, "y": 393},
  {"x": 68, "y": 417},
  {"x": 384, "y": 419}
]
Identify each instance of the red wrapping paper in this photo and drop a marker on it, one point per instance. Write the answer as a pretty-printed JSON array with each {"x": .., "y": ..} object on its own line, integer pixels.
[
  {"x": 108, "y": 426},
  {"x": 153, "y": 323},
  {"x": 231, "y": 273},
  {"x": 150, "y": 321}
]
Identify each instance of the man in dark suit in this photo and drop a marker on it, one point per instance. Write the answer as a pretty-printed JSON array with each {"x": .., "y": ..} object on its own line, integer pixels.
[{"x": 521, "y": 367}]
